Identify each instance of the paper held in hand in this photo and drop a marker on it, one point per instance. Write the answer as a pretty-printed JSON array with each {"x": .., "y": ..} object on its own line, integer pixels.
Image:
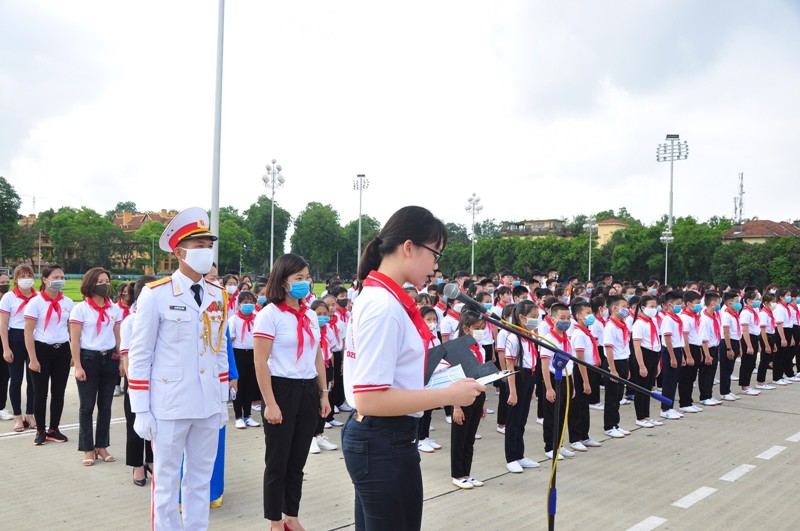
[{"x": 446, "y": 377}]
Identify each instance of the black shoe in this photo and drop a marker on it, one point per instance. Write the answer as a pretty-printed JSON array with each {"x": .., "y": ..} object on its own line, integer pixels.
[
  {"x": 41, "y": 438},
  {"x": 56, "y": 436},
  {"x": 140, "y": 482}
]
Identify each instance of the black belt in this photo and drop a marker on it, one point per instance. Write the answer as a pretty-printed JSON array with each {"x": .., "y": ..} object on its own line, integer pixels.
[{"x": 100, "y": 352}]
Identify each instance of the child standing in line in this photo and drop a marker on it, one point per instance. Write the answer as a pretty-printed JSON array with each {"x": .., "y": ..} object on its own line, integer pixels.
[
  {"x": 710, "y": 335},
  {"x": 585, "y": 346},
  {"x": 615, "y": 339},
  {"x": 672, "y": 357},
  {"x": 647, "y": 351},
  {"x": 424, "y": 442},
  {"x": 694, "y": 353},
  {"x": 554, "y": 419},
  {"x": 730, "y": 346}
]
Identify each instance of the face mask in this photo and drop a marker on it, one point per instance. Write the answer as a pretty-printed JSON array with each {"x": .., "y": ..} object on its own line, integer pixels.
[
  {"x": 458, "y": 307},
  {"x": 717, "y": 307},
  {"x": 432, "y": 326},
  {"x": 262, "y": 301},
  {"x": 737, "y": 306},
  {"x": 565, "y": 300},
  {"x": 477, "y": 335},
  {"x": 439, "y": 281},
  {"x": 797, "y": 300},
  {"x": 787, "y": 299},
  {"x": 516, "y": 283},
  {"x": 590, "y": 320},
  {"x": 25, "y": 283},
  {"x": 200, "y": 260},
  {"x": 677, "y": 308},
  {"x": 773, "y": 291},
  {"x": 532, "y": 324},
  {"x": 57, "y": 285},
  {"x": 756, "y": 304},
  {"x": 487, "y": 305},
  {"x": 585, "y": 298},
  {"x": 628, "y": 297},
  {"x": 697, "y": 308},
  {"x": 604, "y": 313},
  {"x": 653, "y": 292},
  {"x": 650, "y": 312},
  {"x": 299, "y": 290},
  {"x": 490, "y": 291},
  {"x": 4, "y": 288},
  {"x": 248, "y": 308},
  {"x": 589, "y": 290},
  {"x": 563, "y": 325},
  {"x": 773, "y": 305},
  {"x": 624, "y": 313},
  {"x": 102, "y": 290},
  {"x": 659, "y": 308},
  {"x": 323, "y": 320},
  {"x": 230, "y": 289},
  {"x": 342, "y": 303}
]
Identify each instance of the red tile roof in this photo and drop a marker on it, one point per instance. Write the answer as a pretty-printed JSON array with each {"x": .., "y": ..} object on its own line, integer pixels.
[
  {"x": 762, "y": 228},
  {"x": 612, "y": 221}
]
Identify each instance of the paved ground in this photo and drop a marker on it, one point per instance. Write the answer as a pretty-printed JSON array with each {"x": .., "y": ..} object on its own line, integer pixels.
[{"x": 628, "y": 482}]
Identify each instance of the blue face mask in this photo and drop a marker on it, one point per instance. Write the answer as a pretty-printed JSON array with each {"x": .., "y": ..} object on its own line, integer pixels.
[
  {"x": 248, "y": 308},
  {"x": 737, "y": 306},
  {"x": 787, "y": 299},
  {"x": 653, "y": 291},
  {"x": 697, "y": 308},
  {"x": 658, "y": 308},
  {"x": 439, "y": 281},
  {"x": 563, "y": 325},
  {"x": 797, "y": 300},
  {"x": 262, "y": 301},
  {"x": 323, "y": 320},
  {"x": 677, "y": 308},
  {"x": 756, "y": 304},
  {"x": 589, "y": 290},
  {"x": 589, "y": 321},
  {"x": 717, "y": 308},
  {"x": 628, "y": 297},
  {"x": 299, "y": 290},
  {"x": 624, "y": 312},
  {"x": 487, "y": 305},
  {"x": 516, "y": 283}
]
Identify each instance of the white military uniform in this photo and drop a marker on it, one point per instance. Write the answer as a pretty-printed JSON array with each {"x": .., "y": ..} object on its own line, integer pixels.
[{"x": 178, "y": 372}]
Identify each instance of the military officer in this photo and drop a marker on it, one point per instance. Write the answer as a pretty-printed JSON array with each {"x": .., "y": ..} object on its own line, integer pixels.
[{"x": 178, "y": 374}]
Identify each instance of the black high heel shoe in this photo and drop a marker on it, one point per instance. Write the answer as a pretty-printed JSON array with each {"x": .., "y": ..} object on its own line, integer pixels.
[{"x": 140, "y": 482}]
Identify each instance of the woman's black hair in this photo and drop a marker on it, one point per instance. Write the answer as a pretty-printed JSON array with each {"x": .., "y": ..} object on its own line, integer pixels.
[
  {"x": 284, "y": 267},
  {"x": 499, "y": 292},
  {"x": 425, "y": 310},
  {"x": 409, "y": 223},
  {"x": 642, "y": 303},
  {"x": 139, "y": 285},
  {"x": 317, "y": 303},
  {"x": 246, "y": 295},
  {"x": 467, "y": 320}
]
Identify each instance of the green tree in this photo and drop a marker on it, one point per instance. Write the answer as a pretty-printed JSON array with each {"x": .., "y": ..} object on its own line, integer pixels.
[
  {"x": 257, "y": 219},
  {"x": 457, "y": 233},
  {"x": 234, "y": 243},
  {"x": 317, "y": 236},
  {"x": 487, "y": 229},
  {"x": 83, "y": 238},
  {"x": 122, "y": 206},
  {"x": 148, "y": 251},
  {"x": 348, "y": 263},
  {"x": 9, "y": 216}
]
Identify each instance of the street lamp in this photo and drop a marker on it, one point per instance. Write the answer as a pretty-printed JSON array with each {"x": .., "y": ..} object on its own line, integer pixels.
[
  {"x": 591, "y": 226},
  {"x": 673, "y": 149},
  {"x": 272, "y": 179},
  {"x": 474, "y": 207},
  {"x": 360, "y": 183}
]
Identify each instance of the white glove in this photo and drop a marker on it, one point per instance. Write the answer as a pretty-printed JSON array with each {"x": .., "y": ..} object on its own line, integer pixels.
[
  {"x": 145, "y": 426},
  {"x": 223, "y": 416}
]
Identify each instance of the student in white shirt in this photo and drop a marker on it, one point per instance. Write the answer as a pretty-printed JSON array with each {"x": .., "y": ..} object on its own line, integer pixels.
[
  {"x": 767, "y": 341},
  {"x": 585, "y": 346},
  {"x": 291, "y": 377},
  {"x": 327, "y": 340},
  {"x": 47, "y": 343},
  {"x": 384, "y": 373},
  {"x": 94, "y": 342},
  {"x": 729, "y": 347},
  {"x": 711, "y": 336},
  {"x": 502, "y": 339},
  {"x": 240, "y": 328},
  {"x": 600, "y": 312},
  {"x": 782, "y": 370},
  {"x": 424, "y": 442},
  {"x": 647, "y": 351},
  {"x": 616, "y": 336},
  {"x": 749, "y": 348},
  {"x": 693, "y": 350},
  {"x": 794, "y": 312},
  {"x": 340, "y": 316},
  {"x": 673, "y": 355},
  {"x": 554, "y": 419},
  {"x": 449, "y": 323}
]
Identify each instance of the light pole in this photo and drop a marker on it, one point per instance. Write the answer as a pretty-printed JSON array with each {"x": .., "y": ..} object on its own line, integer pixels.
[
  {"x": 591, "y": 226},
  {"x": 272, "y": 179},
  {"x": 671, "y": 150},
  {"x": 474, "y": 207},
  {"x": 360, "y": 183}
]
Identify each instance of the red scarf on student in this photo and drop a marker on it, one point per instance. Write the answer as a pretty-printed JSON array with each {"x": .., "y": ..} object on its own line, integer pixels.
[
  {"x": 441, "y": 306},
  {"x": 735, "y": 318},
  {"x": 232, "y": 302},
  {"x": 303, "y": 324},
  {"x": 247, "y": 322},
  {"x": 622, "y": 326},
  {"x": 696, "y": 317},
  {"x": 478, "y": 351},
  {"x": 342, "y": 313},
  {"x": 126, "y": 310},
  {"x": 677, "y": 320},
  {"x": 563, "y": 340},
  {"x": 653, "y": 330},
  {"x": 324, "y": 345},
  {"x": 101, "y": 310},
  {"x": 379, "y": 280},
  {"x": 454, "y": 315},
  {"x": 55, "y": 306},
  {"x": 24, "y": 299},
  {"x": 549, "y": 321},
  {"x": 768, "y": 311},
  {"x": 333, "y": 323},
  {"x": 534, "y": 354},
  {"x": 595, "y": 353},
  {"x": 713, "y": 317},
  {"x": 755, "y": 316}
]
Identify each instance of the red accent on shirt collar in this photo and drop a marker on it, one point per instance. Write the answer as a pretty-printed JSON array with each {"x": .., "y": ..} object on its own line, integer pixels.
[
  {"x": 101, "y": 310},
  {"x": 303, "y": 324},
  {"x": 25, "y": 299}
]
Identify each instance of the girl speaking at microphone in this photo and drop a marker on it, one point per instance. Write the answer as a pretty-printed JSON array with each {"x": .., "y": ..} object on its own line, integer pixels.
[{"x": 384, "y": 367}]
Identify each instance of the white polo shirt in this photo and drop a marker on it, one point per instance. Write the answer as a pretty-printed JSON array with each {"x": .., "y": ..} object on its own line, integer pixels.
[
  {"x": 512, "y": 347},
  {"x": 10, "y": 305},
  {"x": 56, "y": 331},
  {"x": 281, "y": 328},
  {"x": 707, "y": 331},
  {"x": 583, "y": 346},
  {"x": 766, "y": 322},
  {"x": 614, "y": 340},
  {"x": 544, "y": 326},
  {"x": 383, "y": 348},
  {"x": 87, "y": 317},
  {"x": 750, "y": 318},
  {"x": 449, "y": 325},
  {"x": 732, "y": 323},
  {"x": 781, "y": 316},
  {"x": 641, "y": 332},
  {"x": 547, "y": 354},
  {"x": 240, "y": 340},
  {"x": 691, "y": 327},
  {"x": 670, "y": 328},
  {"x": 126, "y": 333},
  {"x": 597, "y": 329}
]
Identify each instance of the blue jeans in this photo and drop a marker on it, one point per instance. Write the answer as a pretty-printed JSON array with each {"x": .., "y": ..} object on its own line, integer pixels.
[{"x": 381, "y": 456}]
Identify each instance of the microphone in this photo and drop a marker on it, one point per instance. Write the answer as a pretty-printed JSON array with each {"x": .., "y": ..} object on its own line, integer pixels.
[{"x": 452, "y": 292}]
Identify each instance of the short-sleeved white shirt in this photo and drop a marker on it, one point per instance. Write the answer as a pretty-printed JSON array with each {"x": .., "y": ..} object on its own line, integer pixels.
[
  {"x": 512, "y": 347},
  {"x": 57, "y": 330},
  {"x": 502, "y": 338},
  {"x": 548, "y": 354},
  {"x": 597, "y": 329},
  {"x": 281, "y": 328},
  {"x": 767, "y": 322},
  {"x": 691, "y": 329},
  {"x": 781, "y": 316},
  {"x": 449, "y": 326},
  {"x": 793, "y": 315},
  {"x": 707, "y": 333},
  {"x": 671, "y": 329},
  {"x": 614, "y": 337},
  {"x": 87, "y": 317},
  {"x": 750, "y": 318},
  {"x": 732, "y": 324},
  {"x": 10, "y": 305},
  {"x": 239, "y": 340},
  {"x": 641, "y": 331},
  {"x": 383, "y": 348},
  {"x": 582, "y": 345},
  {"x": 126, "y": 333},
  {"x": 544, "y": 326}
]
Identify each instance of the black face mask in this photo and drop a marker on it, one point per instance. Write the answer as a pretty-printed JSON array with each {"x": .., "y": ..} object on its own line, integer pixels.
[
  {"x": 342, "y": 303},
  {"x": 102, "y": 290},
  {"x": 434, "y": 300},
  {"x": 4, "y": 288}
]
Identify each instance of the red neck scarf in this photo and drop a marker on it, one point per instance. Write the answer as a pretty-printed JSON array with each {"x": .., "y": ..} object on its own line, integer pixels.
[
  {"x": 324, "y": 345},
  {"x": 103, "y": 317},
  {"x": 600, "y": 318},
  {"x": 677, "y": 320},
  {"x": 755, "y": 315},
  {"x": 232, "y": 302},
  {"x": 454, "y": 315},
  {"x": 735, "y": 318},
  {"x": 713, "y": 317},
  {"x": 653, "y": 331},
  {"x": 478, "y": 351},
  {"x": 247, "y": 322},
  {"x": 622, "y": 326},
  {"x": 22, "y": 297},
  {"x": 768, "y": 311},
  {"x": 441, "y": 306},
  {"x": 377, "y": 279},
  {"x": 563, "y": 340},
  {"x": 696, "y": 317},
  {"x": 125, "y": 309},
  {"x": 55, "y": 306},
  {"x": 333, "y": 323},
  {"x": 549, "y": 322},
  {"x": 342, "y": 313},
  {"x": 595, "y": 354},
  {"x": 303, "y": 324}
]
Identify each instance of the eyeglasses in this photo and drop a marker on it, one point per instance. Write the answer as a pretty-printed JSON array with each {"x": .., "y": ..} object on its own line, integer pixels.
[{"x": 436, "y": 254}]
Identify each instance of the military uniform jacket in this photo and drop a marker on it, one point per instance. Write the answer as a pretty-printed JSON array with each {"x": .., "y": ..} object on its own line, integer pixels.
[{"x": 177, "y": 359}]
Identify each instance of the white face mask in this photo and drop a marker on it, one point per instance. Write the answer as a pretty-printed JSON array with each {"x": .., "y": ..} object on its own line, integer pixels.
[
  {"x": 230, "y": 289},
  {"x": 650, "y": 312},
  {"x": 200, "y": 260},
  {"x": 604, "y": 313},
  {"x": 458, "y": 307},
  {"x": 432, "y": 327},
  {"x": 478, "y": 334},
  {"x": 25, "y": 283}
]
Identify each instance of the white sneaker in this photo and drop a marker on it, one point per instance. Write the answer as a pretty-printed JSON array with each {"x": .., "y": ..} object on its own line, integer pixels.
[
  {"x": 644, "y": 424},
  {"x": 475, "y": 482},
  {"x": 423, "y": 446},
  {"x": 325, "y": 444},
  {"x": 478, "y": 436},
  {"x": 765, "y": 387},
  {"x": 335, "y": 410},
  {"x": 655, "y": 422},
  {"x": 709, "y": 402},
  {"x": 787, "y": 380},
  {"x": 598, "y": 407},
  {"x": 579, "y": 447},
  {"x": 794, "y": 378},
  {"x": 250, "y": 422},
  {"x": 527, "y": 463},
  {"x": 117, "y": 390},
  {"x": 433, "y": 444},
  {"x": 623, "y": 431},
  {"x": 256, "y": 407},
  {"x": 716, "y": 402},
  {"x": 624, "y": 402},
  {"x": 5, "y": 415},
  {"x": 345, "y": 408},
  {"x": 336, "y": 423},
  {"x": 614, "y": 433},
  {"x": 670, "y": 414},
  {"x": 716, "y": 381},
  {"x": 549, "y": 455},
  {"x": 240, "y": 424},
  {"x": 328, "y": 425},
  {"x": 514, "y": 467},
  {"x": 734, "y": 378},
  {"x": 751, "y": 392},
  {"x": 314, "y": 446},
  {"x": 462, "y": 483},
  {"x": 501, "y": 430},
  {"x": 591, "y": 443},
  {"x": 488, "y": 412},
  {"x": 729, "y": 397},
  {"x": 540, "y": 422},
  {"x": 448, "y": 420},
  {"x": 567, "y": 453},
  {"x": 780, "y": 382}
]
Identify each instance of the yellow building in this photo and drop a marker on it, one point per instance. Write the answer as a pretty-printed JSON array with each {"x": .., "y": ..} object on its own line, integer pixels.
[{"x": 606, "y": 228}]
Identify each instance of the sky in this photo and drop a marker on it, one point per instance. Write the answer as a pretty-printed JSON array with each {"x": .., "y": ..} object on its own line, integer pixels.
[{"x": 544, "y": 109}]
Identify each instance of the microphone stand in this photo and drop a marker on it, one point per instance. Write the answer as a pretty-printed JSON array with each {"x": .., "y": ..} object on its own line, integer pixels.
[{"x": 559, "y": 362}]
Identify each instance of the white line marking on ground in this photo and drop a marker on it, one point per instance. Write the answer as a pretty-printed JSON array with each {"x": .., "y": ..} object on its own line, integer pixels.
[
  {"x": 794, "y": 438},
  {"x": 694, "y": 497},
  {"x": 649, "y": 523},
  {"x": 737, "y": 472},
  {"x": 772, "y": 452},
  {"x": 64, "y": 427}
]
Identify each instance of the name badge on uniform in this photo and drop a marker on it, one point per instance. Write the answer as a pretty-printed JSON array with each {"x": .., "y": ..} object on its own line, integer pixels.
[{"x": 180, "y": 308}]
